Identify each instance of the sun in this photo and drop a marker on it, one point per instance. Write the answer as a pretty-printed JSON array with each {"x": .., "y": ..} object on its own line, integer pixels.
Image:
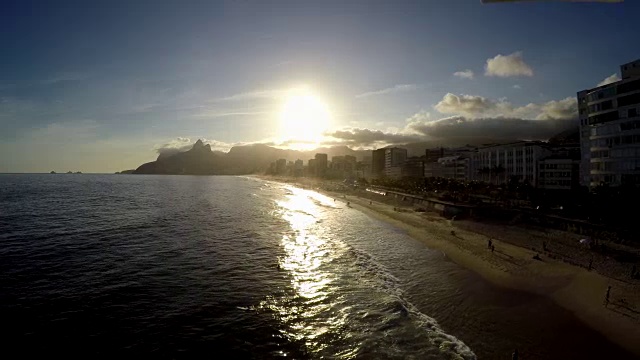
[{"x": 304, "y": 118}]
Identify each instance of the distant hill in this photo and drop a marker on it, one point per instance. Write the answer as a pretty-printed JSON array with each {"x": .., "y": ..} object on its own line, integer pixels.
[
  {"x": 571, "y": 136},
  {"x": 246, "y": 159}
]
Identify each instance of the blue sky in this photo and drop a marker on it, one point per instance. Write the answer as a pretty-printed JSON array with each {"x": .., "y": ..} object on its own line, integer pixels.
[{"x": 100, "y": 87}]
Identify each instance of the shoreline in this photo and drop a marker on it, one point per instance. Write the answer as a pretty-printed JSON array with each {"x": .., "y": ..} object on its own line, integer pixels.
[{"x": 573, "y": 288}]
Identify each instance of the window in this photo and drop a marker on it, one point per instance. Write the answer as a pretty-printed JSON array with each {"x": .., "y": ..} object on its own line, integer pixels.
[
  {"x": 629, "y": 86},
  {"x": 629, "y": 99},
  {"x": 632, "y": 112},
  {"x": 603, "y": 118}
]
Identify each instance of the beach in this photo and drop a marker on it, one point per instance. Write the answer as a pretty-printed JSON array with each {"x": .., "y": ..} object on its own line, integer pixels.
[{"x": 561, "y": 273}]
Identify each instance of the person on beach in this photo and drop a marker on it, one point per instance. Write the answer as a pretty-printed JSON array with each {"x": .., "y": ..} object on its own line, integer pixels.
[
  {"x": 514, "y": 356},
  {"x": 606, "y": 297},
  {"x": 544, "y": 246},
  {"x": 489, "y": 244},
  {"x": 493, "y": 248},
  {"x": 590, "y": 264},
  {"x": 633, "y": 272},
  {"x": 370, "y": 202}
]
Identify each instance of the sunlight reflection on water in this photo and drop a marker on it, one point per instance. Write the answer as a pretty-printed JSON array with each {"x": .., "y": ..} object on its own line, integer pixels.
[
  {"x": 342, "y": 303},
  {"x": 306, "y": 251}
]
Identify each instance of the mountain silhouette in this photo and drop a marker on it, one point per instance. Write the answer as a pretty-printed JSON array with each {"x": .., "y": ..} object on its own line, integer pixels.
[{"x": 240, "y": 160}]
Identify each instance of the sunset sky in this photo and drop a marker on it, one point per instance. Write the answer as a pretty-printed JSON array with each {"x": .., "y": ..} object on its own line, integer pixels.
[{"x": 101, "y": 87}]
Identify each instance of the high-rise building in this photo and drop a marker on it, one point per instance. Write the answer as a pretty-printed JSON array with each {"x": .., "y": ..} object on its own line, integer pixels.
[
  {"x": 394, "y": 158},
  {"x": 610, "y": 131},
  {"x": 377, "y": 163},
  {"x": 298, "y": 168},
  {"x": 321, "y": 164},
  {"x": 281, "y": 166},
  {"x": 311, "y": 168},
  {"x": 350, "y": 165}
]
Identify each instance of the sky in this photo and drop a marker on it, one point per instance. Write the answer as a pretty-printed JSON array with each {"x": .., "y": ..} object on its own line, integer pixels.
[{"x": 104, "y": 86}]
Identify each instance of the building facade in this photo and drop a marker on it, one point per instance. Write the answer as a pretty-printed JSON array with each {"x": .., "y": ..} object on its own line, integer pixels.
[
  {"x": 322, "y": 161},
  {"x": 413, "y": 168},
  {"x": 558, "y": 173},
  {"x": 454, "y": 167},
  {"x": 281, "y": 167},
  {"x": 377, "y": 163},
  {"x": 298, "y": 168},
  {"x": 610, "y": 131},
  {"x": 500, "y": 163},
  {"x": 394, "y": 159}
]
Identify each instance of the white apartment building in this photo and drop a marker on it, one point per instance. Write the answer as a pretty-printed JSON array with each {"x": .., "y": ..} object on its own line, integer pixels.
[
  {"x": 499, "y": 163},
  {"x": 610, "y": 131}
]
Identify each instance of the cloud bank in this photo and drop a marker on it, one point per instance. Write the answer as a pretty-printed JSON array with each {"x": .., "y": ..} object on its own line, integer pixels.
[
  {"x": 367, "y": 137},
  {"x": 472, "y": 118},
  {"x": 474, "y": 106},
  {"x": 496, "y": 128}
]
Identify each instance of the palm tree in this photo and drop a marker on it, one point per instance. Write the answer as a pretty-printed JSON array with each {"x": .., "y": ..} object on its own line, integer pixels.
[
  {"x": 498, "y": 170},
  {"x": 485, "y": 171}
]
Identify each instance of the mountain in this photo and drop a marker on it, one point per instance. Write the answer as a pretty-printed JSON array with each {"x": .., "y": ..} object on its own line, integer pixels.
[
  {"x": 200, "y": 160},
  {"x": 570, "y": 136},
  {"x": 246, "y": 159}
]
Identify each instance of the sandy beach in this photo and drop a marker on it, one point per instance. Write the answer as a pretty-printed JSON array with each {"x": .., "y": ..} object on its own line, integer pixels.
[{"x": 561, "y": 273}]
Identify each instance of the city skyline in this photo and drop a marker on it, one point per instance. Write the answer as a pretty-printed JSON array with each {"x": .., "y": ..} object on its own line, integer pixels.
[{"x": 84, "y": 94}]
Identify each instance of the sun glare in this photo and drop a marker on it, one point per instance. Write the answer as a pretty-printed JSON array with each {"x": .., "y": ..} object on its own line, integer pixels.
[{"x": 303, "y": 119}]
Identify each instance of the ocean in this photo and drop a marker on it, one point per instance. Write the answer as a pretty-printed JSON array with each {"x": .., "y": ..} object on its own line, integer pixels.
[{"x": 239, "y": 267}]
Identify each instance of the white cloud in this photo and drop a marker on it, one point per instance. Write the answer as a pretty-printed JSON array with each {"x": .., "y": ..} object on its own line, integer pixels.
[
  {"x": 220, "y": 114},
  {"x": 454, "y": 129},
  {"x": 420, "y": 116},
  {"x": 390, "y": 90},
  {"x": 255, "y": 95},
  {"x": 558, "y": 109},
  {"x": 469, "y": 105},
  {"x": 465, "y": 74},
  {"x": 507, "y": 66},
  {"x": 474, "y": 106},
  {"x": 609, "y": 79},
  {"x": 516, "y": 86}
]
